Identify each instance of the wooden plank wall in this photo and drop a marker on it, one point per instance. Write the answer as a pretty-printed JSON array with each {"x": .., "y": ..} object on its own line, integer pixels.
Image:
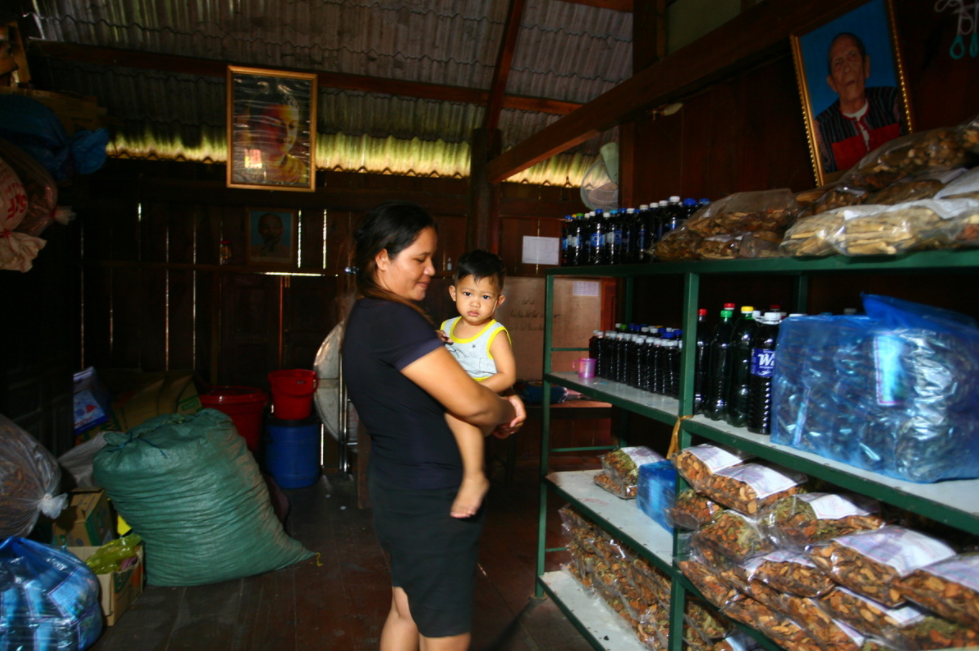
[{"x": 156, "y": 298}]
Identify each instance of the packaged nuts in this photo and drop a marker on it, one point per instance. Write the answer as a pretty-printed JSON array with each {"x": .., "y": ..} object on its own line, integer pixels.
[
  {"x": 828, "y": 632},
  {"x": 801, "y": 520},
  {"x": 622, "y": 468},
  {"x": 950, "y": 588},
  {"x": 868, "y": 616},
  {"x": 609, "y": 484},
  {"x": 692, "y": 510},
  {"x": 870, "y": 562},
  {"x": 792, "y": 573},
  {"x": 734, "y": 535},
  {"x": 749, "y": 487},
  {"x": 710, "y": 585},
  {"x": 699, "y": 462}
]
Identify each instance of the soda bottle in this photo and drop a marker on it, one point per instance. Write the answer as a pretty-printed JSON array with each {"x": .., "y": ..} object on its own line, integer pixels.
[
  {"x": 632, "y": 371},
  {"x": 598, "y": 234},
  {"x": 656, "y": 365},
  {"x": 595, "y": 348},
  {"x": 762, "y": 369},
  {"x": 628, "y": 235},
  {"x": 690, "y": 207},
  {"x": 565, "y": 240},
  {"x": 620, "y": 357},
  {"x": 720, "y": 354},
  {"x": 744, "y": 331},
  {"x": 673, "y": 215},
  {"x": 673, "y": 352},
  {"x": 639, "y": 238},
  {"x": 700, "y": 362},
  {"x": 644, "y": 362},
  {"x": 613, "y": 238}
]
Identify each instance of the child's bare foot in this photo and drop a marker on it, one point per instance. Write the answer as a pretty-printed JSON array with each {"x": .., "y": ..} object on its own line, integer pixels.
[{"x": 470, "y": 496}]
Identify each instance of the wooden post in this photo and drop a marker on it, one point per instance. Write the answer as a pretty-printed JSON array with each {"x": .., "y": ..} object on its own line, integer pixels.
[{"x": 483, "y": 220}]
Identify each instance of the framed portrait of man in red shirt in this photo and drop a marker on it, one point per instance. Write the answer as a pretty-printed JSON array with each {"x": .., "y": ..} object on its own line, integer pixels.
[{"x": 853, "y": 88}]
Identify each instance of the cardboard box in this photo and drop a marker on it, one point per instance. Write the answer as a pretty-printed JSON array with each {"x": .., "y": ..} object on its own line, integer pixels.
[
  {"x": 118, "y": 589},
  {"x": 86, "y": 522},
  {"x": 91, "y": 400}
]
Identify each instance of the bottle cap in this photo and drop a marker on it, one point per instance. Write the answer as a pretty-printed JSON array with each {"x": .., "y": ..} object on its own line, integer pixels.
[
  {"x": 729, "y": 306},
  {"x": 704, "y": 201},
  {"x": 597, "y": 333},
  {"x": 850, "y": 311},
  {"x": 689, "y": 202},
  {"x": 747, "y": 308},
  {"x": 726, "y": 314},
  {"x": 796, "y": 314},
  {"x": 644, "y": 206},
  {"x": 630, "y": 210},
  {"x": 674, "y": 199},
  {"x": 701, "y": 312},
  {"x": 773, "y": 316}
]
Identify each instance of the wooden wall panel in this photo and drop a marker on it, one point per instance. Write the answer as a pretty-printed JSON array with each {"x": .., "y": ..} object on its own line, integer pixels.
[
  {"x": 181, "y": 327},
  {"x": 96, "y": 317},
  {"x": 152, "y": 320},
  {"x": 126, "y": 300},
  {"x": 452, "y": 240},
  {"x": 511, "y": 248},
  {"x": 205, "y": 322},
  {"x": 208, "y": 234},
  {"x": 182, "y": 232},
  {"x": 311, "y": 238}
]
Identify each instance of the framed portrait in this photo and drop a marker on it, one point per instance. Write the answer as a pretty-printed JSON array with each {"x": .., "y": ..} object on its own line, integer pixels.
[
  {"x": 854, "y": 95},
  {"x": 272, "y": 236},
  {"x": 271, "y": 129}
]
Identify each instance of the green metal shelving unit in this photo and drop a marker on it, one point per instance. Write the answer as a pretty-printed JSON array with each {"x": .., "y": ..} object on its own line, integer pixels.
[{"x": 955, "y": 503}]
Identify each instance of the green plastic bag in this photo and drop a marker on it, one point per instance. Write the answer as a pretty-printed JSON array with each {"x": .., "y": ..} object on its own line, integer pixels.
[
  {"x": 188, "y": 485},
  {"x": 110, "y": 556}
]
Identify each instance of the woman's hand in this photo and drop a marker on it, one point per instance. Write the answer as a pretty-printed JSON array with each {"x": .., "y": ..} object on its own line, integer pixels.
[{"x": 507, "y": 429}]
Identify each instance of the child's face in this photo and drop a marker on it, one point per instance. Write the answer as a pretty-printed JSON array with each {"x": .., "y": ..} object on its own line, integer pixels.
[{"x": 476, "y": 301}]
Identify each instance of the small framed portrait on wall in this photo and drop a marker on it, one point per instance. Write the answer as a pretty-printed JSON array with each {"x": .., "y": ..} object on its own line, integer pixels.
[
  {"x": 271, "y": 129},
  {"x": 272, "y": 235},
  {"x": 853, "y": 88}
]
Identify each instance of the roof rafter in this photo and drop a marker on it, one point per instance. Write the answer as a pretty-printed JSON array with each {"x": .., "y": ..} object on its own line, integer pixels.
[
  {"x": 614, "y": 5},
  {"x": 504, "y": 60},
  {"x": 213, "y": 68}
]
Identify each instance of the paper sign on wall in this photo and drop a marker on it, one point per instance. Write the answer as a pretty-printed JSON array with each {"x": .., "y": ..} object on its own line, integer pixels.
[
  {"x": 585, "y": 288},
  {"x": 541, "y": 250}
]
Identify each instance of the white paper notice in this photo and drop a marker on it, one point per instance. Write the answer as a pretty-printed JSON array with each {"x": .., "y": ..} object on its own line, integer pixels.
[
  {"x": 541, "y": 250},
  {"x": 584, "y": 288}
]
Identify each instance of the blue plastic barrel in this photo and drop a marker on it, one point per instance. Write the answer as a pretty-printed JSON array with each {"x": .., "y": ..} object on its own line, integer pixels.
[{"x": 292, "y": 451}]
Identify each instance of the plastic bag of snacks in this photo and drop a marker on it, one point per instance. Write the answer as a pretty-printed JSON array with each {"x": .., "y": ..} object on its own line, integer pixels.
[
  {"x": 737, "y": 641},
  {"x": 750, "y": 487},
  {"x": 870, "y": 562},
  {"x": 793, "y": 573},
  {"x": 652, "y": 583},
  {"x": 885, "y": 394},
  {"x": 699, "y": 462},
  {"x": 704, "y": 619},
  {"x": 828, "y": 632},
  {"x": 620, "y": 474},
  {"x": 735, "y": 536},
  {"x": 936, "y": 150},
  {"x": 17, "y": 250},
  {"x": 913, "y": 188},
  {"x": 691, "y": 510},
  {"x": 800, "y": 520},
  {"x": 29, "y": 481},
  {"x": 950, "y": 588},
  {"x": 706, "y": 579},
  {"x": 868, "y": 616}
]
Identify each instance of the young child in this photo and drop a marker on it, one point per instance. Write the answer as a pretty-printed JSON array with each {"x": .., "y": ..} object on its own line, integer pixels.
[{"x": 474, "y": 339}]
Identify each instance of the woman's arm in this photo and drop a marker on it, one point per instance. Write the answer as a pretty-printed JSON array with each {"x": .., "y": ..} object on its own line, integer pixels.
[
  {"x": 439, "y": 374},
  {"x": 506, "y": 365}
]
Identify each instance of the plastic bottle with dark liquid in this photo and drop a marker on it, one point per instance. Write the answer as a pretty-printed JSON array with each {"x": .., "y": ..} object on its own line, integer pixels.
[
  {"x": 719, "y": 371},
  {"x": 744, "y": 331},
  {"x": 700, "y": 362},
  {"x": 762, "y": 369}
]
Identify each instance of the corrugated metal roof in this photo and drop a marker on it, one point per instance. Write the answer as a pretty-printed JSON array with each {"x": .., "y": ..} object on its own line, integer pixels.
[{"x": 564, "y": 51}]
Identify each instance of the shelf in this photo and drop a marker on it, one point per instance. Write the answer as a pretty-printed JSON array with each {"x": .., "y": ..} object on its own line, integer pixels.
[
  {"x": 960, "y": 260},
  {"x": 597, "y": 622},
  {"x": 953, "y": 502},
  {"x": 621, "y": 518},
  {"x": 647, "y": 404}
]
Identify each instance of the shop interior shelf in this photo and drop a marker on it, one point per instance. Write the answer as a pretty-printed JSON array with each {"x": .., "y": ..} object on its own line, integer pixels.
[
  {"x": 597, "y": 622},
  {"x": 953, "y": 502},
  {"x": 622, "y": 518},
  {"x": 651, "y": 405}
]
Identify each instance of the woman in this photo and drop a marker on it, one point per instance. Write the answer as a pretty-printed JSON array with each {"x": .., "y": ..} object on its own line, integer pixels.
[{"x": 402, "y": 381}]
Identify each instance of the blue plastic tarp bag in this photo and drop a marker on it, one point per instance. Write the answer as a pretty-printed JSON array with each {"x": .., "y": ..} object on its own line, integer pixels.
[
  {"x": 49, "y": 599},
  {"x": 36, "y": 129},
  {"x": 893, "y": 392},
  {"x": 657, "y": 491}
]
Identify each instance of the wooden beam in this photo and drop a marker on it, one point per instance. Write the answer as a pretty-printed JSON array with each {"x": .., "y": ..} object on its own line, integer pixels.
[
  {"x": 740, "y": 42},
  {"x": 614, "y": 5},
  {"x": 504, "y": 59},
  {"x": 212, "y": 68}
]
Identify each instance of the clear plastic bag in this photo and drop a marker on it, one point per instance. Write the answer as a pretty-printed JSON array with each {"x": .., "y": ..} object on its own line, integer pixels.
[
  {"x": 691, "y": 510},
  {"x": 78, "y": 460},
  {"x": 17, "y": 250},
  {"x": 892, "y": 399},
  {"x": 697, "y": 463},
  {"x": 813, "y": 236},
  {"x": 735, "y": 536},
  {"x": 799, "y": 520},
  {"x": 42, "y": 193},
  {"x": 621, "y": 469},
  {"x": 29, "y": 481},
  {"x": 792, "y": 573},
  {"x": 750, "y": 487},
  {"x": 828, "y": 632},
  {"x": 50, "y": 598},
  {"x": 950, "y": 588},
  {"x": 868, "y": 616},
  {"x": 704, "y": 571}
]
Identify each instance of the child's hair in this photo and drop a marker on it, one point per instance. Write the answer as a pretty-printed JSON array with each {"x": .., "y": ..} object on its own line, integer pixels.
[{"x": 480, "y": 264}]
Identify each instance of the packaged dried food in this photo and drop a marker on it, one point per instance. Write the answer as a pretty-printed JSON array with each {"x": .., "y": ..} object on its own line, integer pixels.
[
  {"x": 870, "y": 562},
  {"x": 949, "y": 587},
  {"x": 938, "y": 149},
  {"x": 761, "y": 244},
  {"x": 576, "y": 570},
  {"x": 737, "y": 641},
  {"x": 937, "y": 633},
  {"x": 692, "y": 510},
  {"x": 908, "y": 189},
  {"x": 813, "y": 236},
  {"x": 828, "y": 632},
  {"x": 656, "y": 491},
  {"x": 678, "y": 245},
  {"x": 745, "y": 212},
  {"x": 763, "y": 594},
  {"x": 740, "y": 575},
  {"x": 890, "y": 398},
  {"x": 838, "y": 196},
  {"x": 868, "y": 616},
  {"x": 793, "y": 573},
  {"x": 750, "y": 612},
  {"x": 699, "y": 462},
  {"x": 800, "y": 520},
  {"x": 622, "y": 465},
  {"x": 708, "y": 622},
  {"x": 876, "y": 230},
  {"x": 751, "y": 486},
  {"x": 720, "y": 247},
  {"x": 734, "y": 535},
  {"x": 653, "y": 628},
  {"x": 29, "y": 481},
  {"x": 965, "y": 186},
  {"x": 604, "y": 481},
  {"x": 653, "y": 583},
  {"x": 786, "y": 633},
  {"x": 706, "y": 580},
  {"x": 577, "y": 526}
]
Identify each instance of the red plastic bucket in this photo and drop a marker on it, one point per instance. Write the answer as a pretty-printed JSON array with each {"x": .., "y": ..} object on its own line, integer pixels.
[
  {"x": 245, "y": 406},
  {"x": 292, "y": 393}
]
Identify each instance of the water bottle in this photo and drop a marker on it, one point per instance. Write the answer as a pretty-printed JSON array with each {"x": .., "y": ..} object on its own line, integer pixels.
[
  {"x": 744, "y": 331},
  {"x": 620, "y": 357},
  {"x": 762, "y": 369},
  {"x": 595, "y": 348},
  {"x": 629, "y": 235},
  {"x": 645, "y": 359},
  {"x": 700, "y": 362},
  {"x": 613, "y": 238},
  {"x": 690, "y": 207},
  {"x": 599, "y": 233},
  {"x": 673, "y": 215},
  {"x": 640, "y": 235},
  {"x": 673, "y": 352},
  {"x": 719, "y": 371}
]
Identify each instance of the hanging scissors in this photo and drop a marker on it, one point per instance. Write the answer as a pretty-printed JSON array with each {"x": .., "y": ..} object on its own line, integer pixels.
[{"x": 967, "y": 19}]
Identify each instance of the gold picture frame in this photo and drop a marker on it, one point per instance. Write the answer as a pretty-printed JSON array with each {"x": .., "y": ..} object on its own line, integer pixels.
[
  {"x": 271, "y": 236},
  {"x": 853, "y": 87},
  {"x": 271, "y": 129}
]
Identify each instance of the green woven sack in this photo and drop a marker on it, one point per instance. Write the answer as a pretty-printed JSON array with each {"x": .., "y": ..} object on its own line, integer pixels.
[{"x": 188, "y": 485}]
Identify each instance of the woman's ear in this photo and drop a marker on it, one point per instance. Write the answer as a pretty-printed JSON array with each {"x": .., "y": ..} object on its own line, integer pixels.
[{"x": 382, "y": 260}]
